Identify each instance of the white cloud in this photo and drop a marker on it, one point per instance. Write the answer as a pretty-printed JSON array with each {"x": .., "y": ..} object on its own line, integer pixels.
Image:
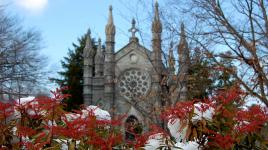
[{"x": 32, "y": 5}]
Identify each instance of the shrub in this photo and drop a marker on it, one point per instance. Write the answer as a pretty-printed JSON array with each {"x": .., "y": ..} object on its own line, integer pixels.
[
  {"x": 43, "y": 123},
  {"x": 220, "y": 122}
]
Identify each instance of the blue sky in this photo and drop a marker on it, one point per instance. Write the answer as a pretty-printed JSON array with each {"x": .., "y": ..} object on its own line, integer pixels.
[{"x": 61, "y": 22}]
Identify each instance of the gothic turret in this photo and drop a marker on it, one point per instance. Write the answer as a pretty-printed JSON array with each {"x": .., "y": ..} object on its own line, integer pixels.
[
  {"x": 88, "y": 54},
  {"x": 99, "y": 60},
  {"x": 184, "y": 63},
  {"x": 109, "y": 63},
  {"x": 156, "y": 58}
]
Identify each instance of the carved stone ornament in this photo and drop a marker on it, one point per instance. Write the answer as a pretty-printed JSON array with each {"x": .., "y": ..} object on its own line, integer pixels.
[
  {"x": 133, "y": 58},
  {"x": 110, "y": 28}
]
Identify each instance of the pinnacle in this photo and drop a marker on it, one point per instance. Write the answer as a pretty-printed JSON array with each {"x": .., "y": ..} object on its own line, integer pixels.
[
  {"x": 156, "y": 25},
  {"x": 182, "y": 30},
  {"x": 156, "y": 3},
  {"x": 110, "y": 28},
  {"x": 99, "y": 44},
  {"x": 156, "y": 12},
  {"x": 133, "y": 22},
  {"x": 88, "y": 32},
  {"x": 110, "y": 21}
]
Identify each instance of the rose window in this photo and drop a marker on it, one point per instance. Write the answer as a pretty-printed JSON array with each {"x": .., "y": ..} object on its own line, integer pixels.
[{"x": 134, "y": 83}]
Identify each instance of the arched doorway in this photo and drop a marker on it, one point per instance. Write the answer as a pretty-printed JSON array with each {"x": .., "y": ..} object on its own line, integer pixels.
[{"x": 132, "y": 128}]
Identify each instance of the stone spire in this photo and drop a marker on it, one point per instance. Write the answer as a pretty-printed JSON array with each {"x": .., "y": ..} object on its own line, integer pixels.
[
  {"x": 156, "y": 40},
  {"x": 157, "y": 25},
  {"x": 109, "y": 64},
  {"x": 88, "y": 54},
  {"x": 184, "y": 63},
  {"x": 88, "y": 51},
  {"x": 183, "y": 51},
  {"x": 183, "y": 43},
  {"x": 99, "y": 60},
  {"x": 110, "y": 28},
  {"x": 171, "y": 60}
]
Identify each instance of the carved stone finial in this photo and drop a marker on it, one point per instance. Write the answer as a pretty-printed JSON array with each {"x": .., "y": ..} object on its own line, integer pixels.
[
  {"x": 110, "y": 21},
  {"x": 99, "y": 54},
  {"x": 183, "y": 49},
  {"x": 88, "y": 50},
  {"x": 99, "y": 60},
  {"x": 183, "y": 43},
  {"x": 99, "y": 43},
  {"x": 88, "y": 40},
  {"x": 156, "y": 10},
  {"x": 110, "y": 28},
  {"x": 133, "y": 29},
  {"x": 88, "y": 32},
  {"x": 182, "y": 30},
  {"x": 88, "y": 43}
]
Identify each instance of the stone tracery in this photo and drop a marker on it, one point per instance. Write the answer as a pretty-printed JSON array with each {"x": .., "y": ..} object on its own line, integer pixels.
[{"x": 134, "y": 83}]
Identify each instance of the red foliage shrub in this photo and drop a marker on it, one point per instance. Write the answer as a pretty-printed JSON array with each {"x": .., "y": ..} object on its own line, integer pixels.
[
  {"x": 231, "y": 124},
  {"x": 181, "y": 110},
  {"x": 142, "y": 139},
  {"x": 6, "y": 110},
  {"x": 221, "y": 141},
  {"x": 251, "y": 120},
  {"x": 43, "y": 120}
]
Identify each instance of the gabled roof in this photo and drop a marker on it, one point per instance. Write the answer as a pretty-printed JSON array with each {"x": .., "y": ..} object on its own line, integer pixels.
[{"x": 132, "y": 45}]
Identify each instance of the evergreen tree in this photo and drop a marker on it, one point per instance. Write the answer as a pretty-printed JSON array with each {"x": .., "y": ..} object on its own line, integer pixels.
[
  {"x": 72, "y": 76},
  {"x": 225, "y": 79},
  {"x": 200, "y": 82},
  {"x": 205, "y": 77}
]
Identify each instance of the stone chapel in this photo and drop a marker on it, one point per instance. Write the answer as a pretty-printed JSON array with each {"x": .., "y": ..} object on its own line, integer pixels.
[{"x": 133, "y": 80}]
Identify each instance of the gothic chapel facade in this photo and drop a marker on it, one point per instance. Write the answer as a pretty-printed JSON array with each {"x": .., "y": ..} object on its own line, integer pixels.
[{"x": 129, "y": 81}]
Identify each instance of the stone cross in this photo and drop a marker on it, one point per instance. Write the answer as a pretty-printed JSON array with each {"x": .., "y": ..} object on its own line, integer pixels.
[{"x": 133, "y": 29}]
